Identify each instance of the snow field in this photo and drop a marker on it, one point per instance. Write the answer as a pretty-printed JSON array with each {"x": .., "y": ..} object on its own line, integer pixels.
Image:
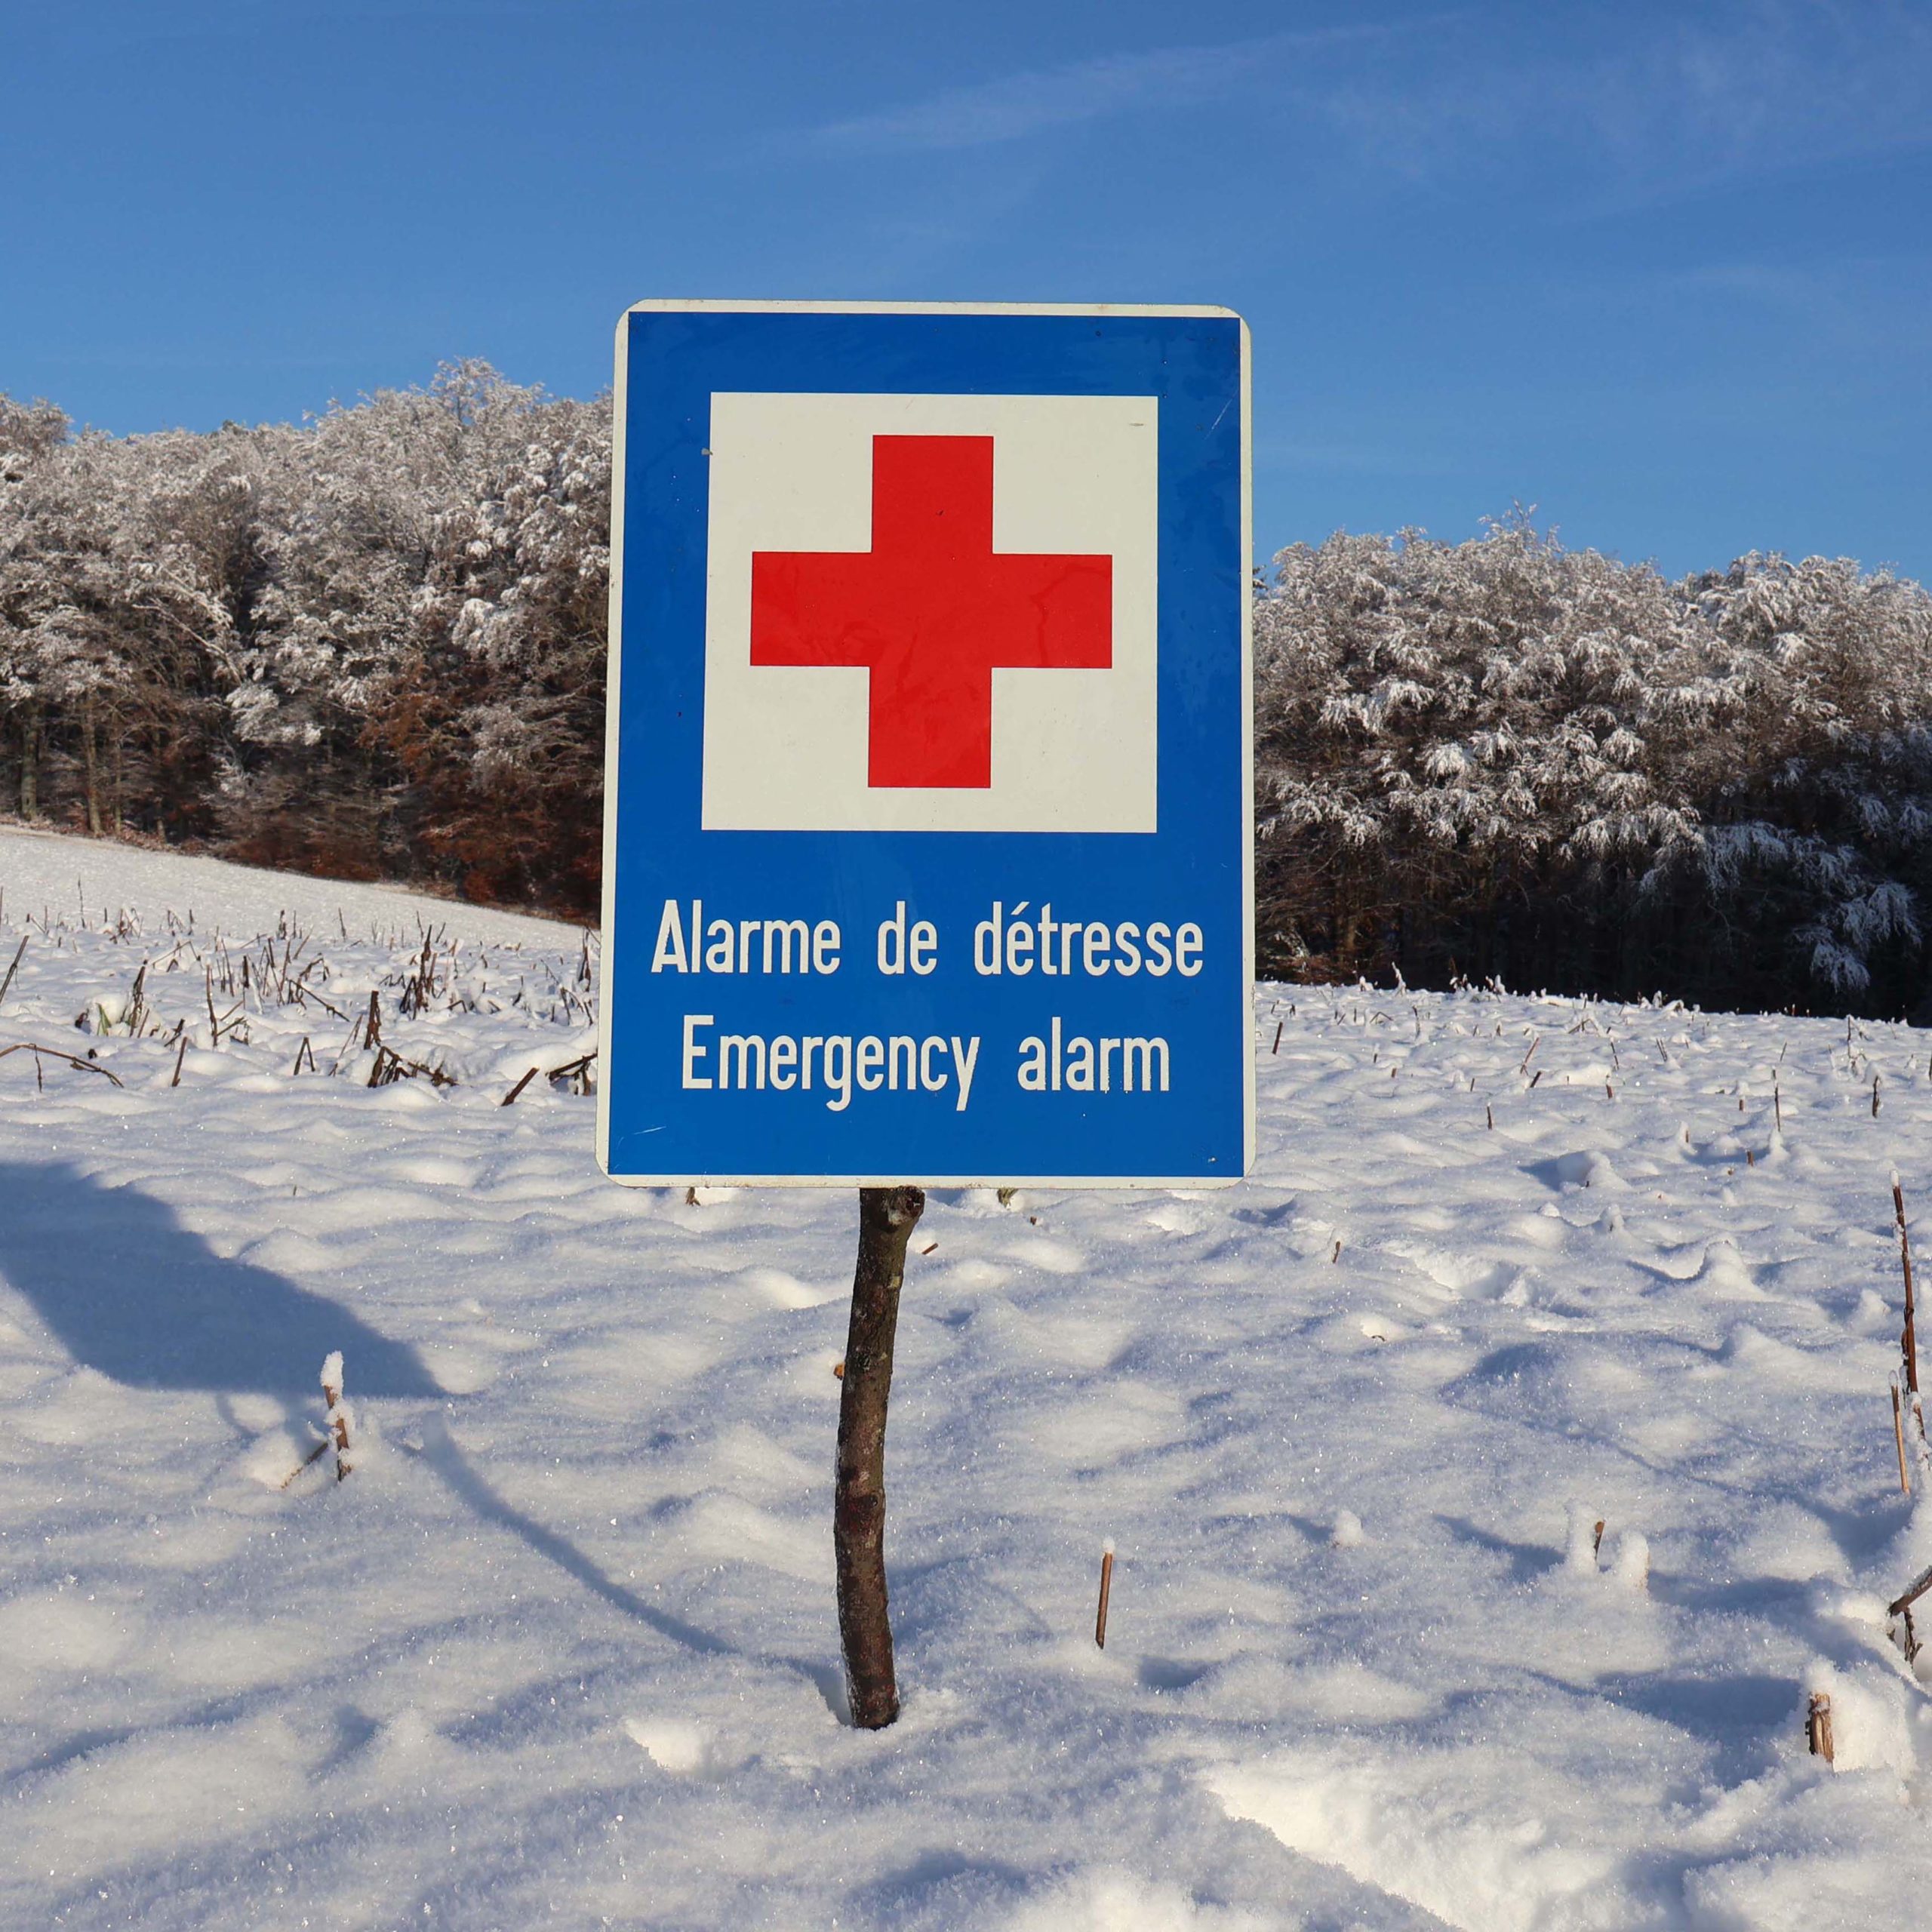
[{"x": 561, "y": 1649}]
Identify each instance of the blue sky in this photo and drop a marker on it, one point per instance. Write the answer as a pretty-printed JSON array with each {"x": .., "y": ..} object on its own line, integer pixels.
[{"x": 1663, "y": 270}]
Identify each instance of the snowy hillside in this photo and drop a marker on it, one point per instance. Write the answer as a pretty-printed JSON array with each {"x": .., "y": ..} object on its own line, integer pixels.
[{"x": 560, "y": 1649}]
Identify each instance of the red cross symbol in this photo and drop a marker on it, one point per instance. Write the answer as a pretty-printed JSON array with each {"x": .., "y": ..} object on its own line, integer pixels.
[{"x": 932, "y": 610}]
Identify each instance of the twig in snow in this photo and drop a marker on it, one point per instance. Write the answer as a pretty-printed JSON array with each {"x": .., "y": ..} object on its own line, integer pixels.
[
  {"x": 1106, "y": 1586},
  {"x": 302, "y": 991},
  {"x": 1921, "y": 1449},
  {"x": 577, "y": 1071},
  {"x": 1919, "y": 1586},
  {"x": 180, "y": 1055},
  {"x": 1275, "y": 1049},
  {"x": 390, "y": 1067},
  {"x": 1898, "y": 1438},
  {"x": 314, "y": 1456},
  {"x": 1818, "y": 1726},
  {"x": 340, "y": 1415},
  {"x": 511, "y": 1096},
  {"x": 54, "y": 1053},
  {"x": 1908, "y": 1338},
  {"x": 8, "y": 981}
]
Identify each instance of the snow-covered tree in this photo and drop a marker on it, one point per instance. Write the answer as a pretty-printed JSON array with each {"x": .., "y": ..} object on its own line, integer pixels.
[{"x": 1501, "y": 756}]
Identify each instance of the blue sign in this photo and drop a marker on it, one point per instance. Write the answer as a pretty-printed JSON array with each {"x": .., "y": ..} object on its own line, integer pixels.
[{"x": 926, "y": 854}]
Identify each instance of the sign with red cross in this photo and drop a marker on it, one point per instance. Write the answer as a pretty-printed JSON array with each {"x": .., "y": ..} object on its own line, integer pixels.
[
  {"x": 928, "y": 794},
  {"x": 932, "y": 613}
]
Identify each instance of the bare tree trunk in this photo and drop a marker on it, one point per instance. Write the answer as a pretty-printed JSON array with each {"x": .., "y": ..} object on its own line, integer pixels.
[
  {"x": 30, "y": 764},
  {"x": 91, "y": 757},
  {"x": 886, "y": 1216}
]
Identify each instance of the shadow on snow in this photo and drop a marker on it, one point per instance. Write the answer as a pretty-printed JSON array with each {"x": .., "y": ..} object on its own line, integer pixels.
[{"x": 126, "y": 1289}]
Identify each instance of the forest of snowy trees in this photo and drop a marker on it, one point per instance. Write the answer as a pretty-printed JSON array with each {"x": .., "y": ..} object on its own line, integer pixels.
[
  {"x": 1503, "y": 757},
  {"x": 372, "y": 646}
]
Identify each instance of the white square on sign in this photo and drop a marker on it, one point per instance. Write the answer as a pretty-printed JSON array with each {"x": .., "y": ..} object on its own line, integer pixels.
[{"x": 931, "y": 613}]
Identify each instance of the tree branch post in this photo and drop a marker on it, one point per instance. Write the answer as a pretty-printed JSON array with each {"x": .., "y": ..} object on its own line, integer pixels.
[{"x": 887, "y": 1217}]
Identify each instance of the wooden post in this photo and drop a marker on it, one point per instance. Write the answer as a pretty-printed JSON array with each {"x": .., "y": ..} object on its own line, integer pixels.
[{"x": 887, "y": 1216}]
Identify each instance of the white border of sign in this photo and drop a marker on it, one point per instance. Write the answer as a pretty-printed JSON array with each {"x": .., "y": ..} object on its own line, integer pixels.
[{"x": 676, "y": 306}]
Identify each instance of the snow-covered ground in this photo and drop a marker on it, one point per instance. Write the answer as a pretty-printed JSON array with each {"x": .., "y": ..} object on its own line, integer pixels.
[{"x": 560, "y": 1649}]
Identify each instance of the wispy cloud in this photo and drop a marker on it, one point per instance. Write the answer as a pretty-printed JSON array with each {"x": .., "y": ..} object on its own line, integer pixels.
[
  {"x": 1016, "y": 105},
  {"x": 1748, "y": 88},
  {"x": 1638, "y": 104}
]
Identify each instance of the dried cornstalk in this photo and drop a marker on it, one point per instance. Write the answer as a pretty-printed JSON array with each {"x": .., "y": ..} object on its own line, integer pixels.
[
  {"x": 1106, "y": 1588},
  {"x": 302, "y": 992},
  {"x": 55, "y": 1053},
  {"x": 314, "y": 1456},
  {"x": 1818, "y": 1727},
  {"x": 339, "y": 1416},
  {"x": 1917, "y": 1588},
  {"x": 1908, "y": 1338},
  {"x": 577, "y": 1071},
  {"x": 390, "y": 1067},
  {"x": 6, "y": 983}
]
